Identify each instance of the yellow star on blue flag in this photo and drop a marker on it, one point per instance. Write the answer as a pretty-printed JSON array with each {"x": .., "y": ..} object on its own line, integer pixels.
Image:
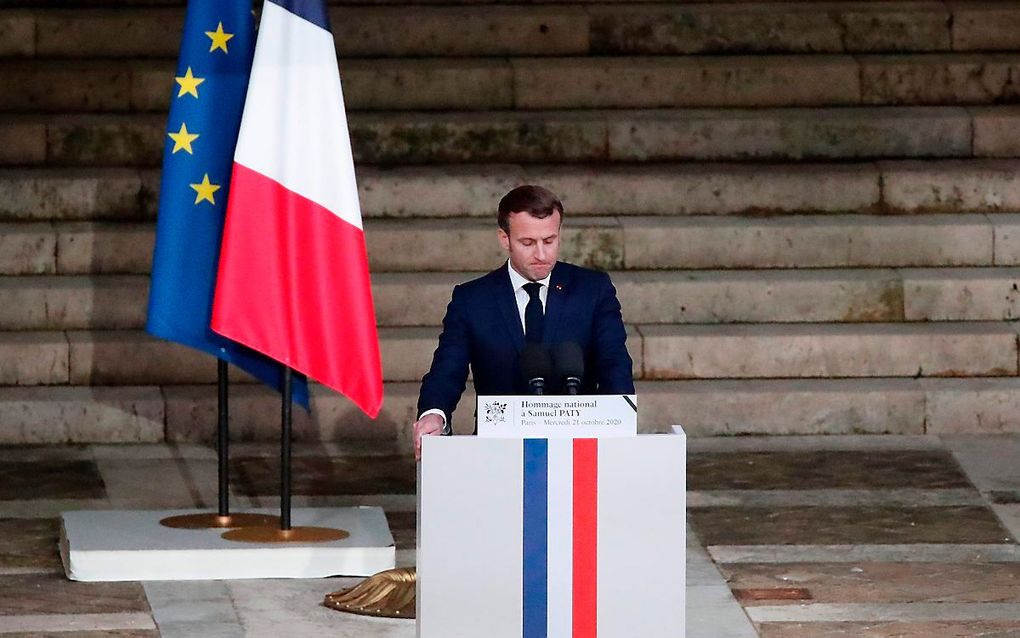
[
  {"x": 219, "y": 39},
  {"x": 188, "y": 83}
]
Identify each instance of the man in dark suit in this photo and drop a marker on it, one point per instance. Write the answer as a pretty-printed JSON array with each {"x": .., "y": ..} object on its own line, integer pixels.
[{"x": 531, "y": 298}]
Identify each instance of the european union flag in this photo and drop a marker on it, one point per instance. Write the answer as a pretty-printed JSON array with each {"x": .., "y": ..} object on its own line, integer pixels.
[{"x": 205, "y": 116}]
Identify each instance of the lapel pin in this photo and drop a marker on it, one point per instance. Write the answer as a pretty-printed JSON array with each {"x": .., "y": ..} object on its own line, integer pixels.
[{"x": 559, "y": 286}]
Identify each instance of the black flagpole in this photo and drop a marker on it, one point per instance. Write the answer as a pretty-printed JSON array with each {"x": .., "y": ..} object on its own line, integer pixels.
[
  {"x": 266, "y": 533},
  {"x": 285, "y": 452},
  {"x": 223, "y": 519},
  {"x": 223, "y": 438}
]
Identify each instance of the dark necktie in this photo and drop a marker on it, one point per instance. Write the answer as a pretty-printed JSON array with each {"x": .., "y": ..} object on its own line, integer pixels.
[{"x": 533, "y": 315}]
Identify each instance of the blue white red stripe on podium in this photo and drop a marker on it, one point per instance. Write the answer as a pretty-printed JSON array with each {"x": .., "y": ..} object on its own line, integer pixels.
[{"x": 560, "y": 538}]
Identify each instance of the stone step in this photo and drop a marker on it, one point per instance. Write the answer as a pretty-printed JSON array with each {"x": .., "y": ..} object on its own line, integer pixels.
[
  {"x": 34, "y": 358},
  {"x": 642, "y": 243},
  {"x": 28, "y": 249},
  {"x": 68, "y": 303},
  {"x": 663, "y": 352},
  {"x": 541, "y": 29},
  {"x": 141, "y": 414},
  {"x": 968, "y": 349},
  {"x": 557, "y": 136},
  {"x": 957, "y": 186},
  {"x": 607, "y": 243},
  {"x": 126, "y": 247},
  {"x": 470, "y": 244},
  {"x": 191, "y": 413},
  {"x": 129, "y": 357},
  {"x": 102, "y": 85},
  {"x": 763, "y": 81},
  {"x": 831, "y": 406},
  {"x": 60, "y": 415},
  {"x": 80, "y": 193},
  {"x": 76, "y": 248},
  {"x": 974, "y": 78},
  {"x": 648, "y": 297},
  {"x": 577, "y": 28},
  {"x": 828, "y": 241},
  {"x": 842, "y": 296},
  {"x": 145, "y": 414}
]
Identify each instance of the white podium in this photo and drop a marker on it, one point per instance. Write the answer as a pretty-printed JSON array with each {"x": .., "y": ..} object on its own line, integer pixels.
[{"x": 552, "y": 538}]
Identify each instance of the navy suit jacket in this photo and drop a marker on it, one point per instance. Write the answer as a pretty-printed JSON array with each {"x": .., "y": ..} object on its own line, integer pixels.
[{"x": 482, "y": 329}]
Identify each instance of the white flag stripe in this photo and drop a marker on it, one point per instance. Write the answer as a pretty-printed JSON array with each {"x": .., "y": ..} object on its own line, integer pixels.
[
  {"x": 642, "y": 530},
  {"x": 277, "y": 138},
  {"x": 561, "y": 536}
]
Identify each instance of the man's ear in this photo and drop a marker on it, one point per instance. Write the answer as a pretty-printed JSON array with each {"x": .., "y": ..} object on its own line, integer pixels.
[{"x": 504, "y": 239}]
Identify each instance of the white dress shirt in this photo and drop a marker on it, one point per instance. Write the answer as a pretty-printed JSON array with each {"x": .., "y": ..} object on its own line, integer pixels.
[{"x": 517, "y": 281}]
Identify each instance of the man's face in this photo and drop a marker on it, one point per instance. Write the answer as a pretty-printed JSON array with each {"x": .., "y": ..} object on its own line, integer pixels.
[{"x": 533, "y": 244}]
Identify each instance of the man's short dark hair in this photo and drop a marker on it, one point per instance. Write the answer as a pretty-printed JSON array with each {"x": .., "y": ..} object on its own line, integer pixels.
[{"x": 531, "y": 199}]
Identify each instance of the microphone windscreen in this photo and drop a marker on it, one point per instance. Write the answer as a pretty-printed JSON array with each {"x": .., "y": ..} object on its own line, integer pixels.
[
  {"x": 568, "y": 359},
  {"x": 535, "y": 362}
]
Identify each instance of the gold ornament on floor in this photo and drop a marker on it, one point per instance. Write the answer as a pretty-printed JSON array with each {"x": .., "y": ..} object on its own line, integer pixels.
[{"x": 390, "y": 594}]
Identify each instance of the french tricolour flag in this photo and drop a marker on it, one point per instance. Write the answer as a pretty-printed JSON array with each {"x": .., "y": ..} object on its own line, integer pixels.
[{"x": 293, "y": 278}]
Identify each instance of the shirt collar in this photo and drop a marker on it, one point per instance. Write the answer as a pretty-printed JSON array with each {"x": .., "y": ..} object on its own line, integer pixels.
[{"x": 517, "y": 280}]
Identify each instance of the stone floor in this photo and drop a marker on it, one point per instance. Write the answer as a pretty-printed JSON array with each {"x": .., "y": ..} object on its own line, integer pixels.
[{"x": 864, "y": 536}]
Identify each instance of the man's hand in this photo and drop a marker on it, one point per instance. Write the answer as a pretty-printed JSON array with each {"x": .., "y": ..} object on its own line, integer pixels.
[{"x": 428, "y": 425}]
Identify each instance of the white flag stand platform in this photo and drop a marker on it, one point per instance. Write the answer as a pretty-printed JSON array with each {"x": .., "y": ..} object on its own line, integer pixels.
[
  {"x": 552, "y": 537},
  {"x": 102, "y": 546}
]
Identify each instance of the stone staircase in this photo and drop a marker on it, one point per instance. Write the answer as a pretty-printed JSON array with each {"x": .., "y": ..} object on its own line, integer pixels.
[{"x": 811, "y": 210}]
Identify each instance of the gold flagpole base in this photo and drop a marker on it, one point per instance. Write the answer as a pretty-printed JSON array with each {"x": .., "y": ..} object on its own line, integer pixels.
[
  {"x": 270, "y": 534},
  {"x": 390, "y": 594},
  {"x": 215, "y": 521}
]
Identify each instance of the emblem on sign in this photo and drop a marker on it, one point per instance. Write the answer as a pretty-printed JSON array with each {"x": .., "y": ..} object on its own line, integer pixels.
[{"x": 495, "y": 412}]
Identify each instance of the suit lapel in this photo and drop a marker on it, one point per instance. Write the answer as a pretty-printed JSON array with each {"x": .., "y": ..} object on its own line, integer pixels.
[
  {"x": 507, "y": 303},
  {"x": 554, "y": 302}
]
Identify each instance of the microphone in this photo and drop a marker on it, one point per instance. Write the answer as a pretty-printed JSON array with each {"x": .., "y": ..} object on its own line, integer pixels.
[
  {"x": 536, "y": 367},
  {"x": 568, "y": 363}
]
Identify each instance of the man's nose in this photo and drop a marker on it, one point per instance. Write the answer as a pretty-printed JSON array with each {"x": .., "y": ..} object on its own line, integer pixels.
[{"x": 542, "y": 249}]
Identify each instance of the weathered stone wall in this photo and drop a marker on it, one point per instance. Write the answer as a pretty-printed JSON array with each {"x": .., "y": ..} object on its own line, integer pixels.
[{"x": 811, "y": 210}]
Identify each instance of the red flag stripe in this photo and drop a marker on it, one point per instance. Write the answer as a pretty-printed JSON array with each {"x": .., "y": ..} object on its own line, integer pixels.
[
  {"x": 306, "y": 300},
  {"x": 586, "y": 467}
]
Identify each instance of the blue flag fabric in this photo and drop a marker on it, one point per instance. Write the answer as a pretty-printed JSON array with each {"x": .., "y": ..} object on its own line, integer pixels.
[{"x": 205, "y": 116}]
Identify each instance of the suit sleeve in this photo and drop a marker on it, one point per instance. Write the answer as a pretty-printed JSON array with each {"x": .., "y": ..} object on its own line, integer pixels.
[
  {"x": 613, "y": 362},
  {"x": 443, "y": 385}
]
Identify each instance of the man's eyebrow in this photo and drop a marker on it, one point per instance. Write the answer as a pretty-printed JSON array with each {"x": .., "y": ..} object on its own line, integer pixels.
[{"x": 529, "y": 238}]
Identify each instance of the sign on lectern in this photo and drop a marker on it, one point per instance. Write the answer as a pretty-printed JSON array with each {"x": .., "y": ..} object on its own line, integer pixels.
[{"x": 557, "y": 416}]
